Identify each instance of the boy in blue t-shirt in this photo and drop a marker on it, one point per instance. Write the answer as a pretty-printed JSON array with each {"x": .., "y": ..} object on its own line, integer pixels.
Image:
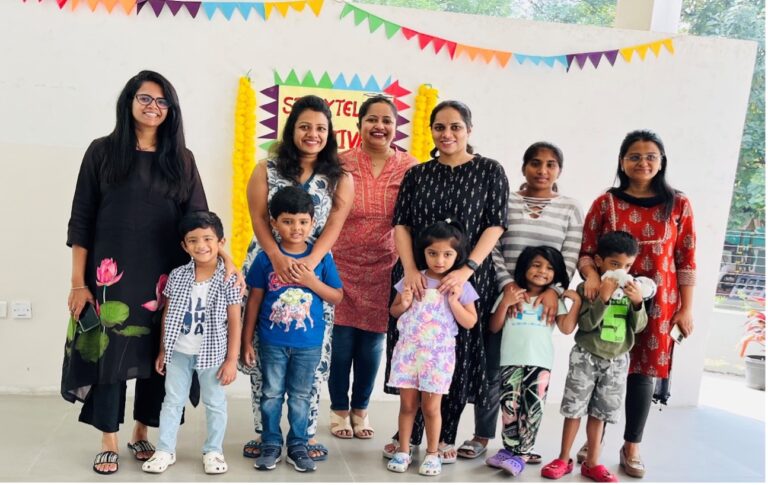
[{"x": 291, "y": 327}]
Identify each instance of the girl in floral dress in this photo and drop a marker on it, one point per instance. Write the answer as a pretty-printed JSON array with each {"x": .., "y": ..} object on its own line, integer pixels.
[{"x": 424, "y": 357}]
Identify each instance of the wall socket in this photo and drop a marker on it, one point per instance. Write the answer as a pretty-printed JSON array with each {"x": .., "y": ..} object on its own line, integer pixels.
[{"x": 21, "y": 309}]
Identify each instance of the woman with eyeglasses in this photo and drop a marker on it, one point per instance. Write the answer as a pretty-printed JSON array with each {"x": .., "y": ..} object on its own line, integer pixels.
[
  {"x": 365, "y": 254},
  {"x": 306, "y": 157},
  {"x": 134, "y": 186},
  {"x": 661, "y": 219}
]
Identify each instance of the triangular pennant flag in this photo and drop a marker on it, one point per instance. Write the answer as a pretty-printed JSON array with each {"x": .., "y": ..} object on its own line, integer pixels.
[
  {"x": 157, "y": 6},
  {"x": 271, "y": 108},
  {"x": 656, "y": 47},
  {"x": 346, "y": 10},
  {"x": 139, "y": 5},
  {"x": 61, "y": 3},
  {"x": 259, "y": 8},
  {"x": 276, "y": 76},
  {"x": 626, "y": 53},
  {"x": 193, "y": 8},
  {"x": 401, "y": 120},
  {"x": 266, "y": 146},
  {"x": 325, "y": 82},
  {"x": 400, "y": 105},
  {"x": 355, "y": 83},
  {"x": 396, "y": 90},
  {"x": 642, "y": 50},
  {"x": 269, "y": 136},
  {"x": 399, "y": 135},
  {"x": 244, "y": 9},
  {"x": 581, "y": 59},
  {"x": 408, "y": 33},
  {"x": 503, "y": 57},
  {"x": 282, "y": 7},
  {"x": 563, "y": 60},
  {"x": 569, "y": 58},
  {"x": 227, "y": 9},
  {"x": 438, "y": 43},
  {"x": 174, "y": 6},
  {"x": 298, "y": 6},
  {"x": 548, "y": 60},
  {"x": 520, "y": 58},
  {"x": 424, "y": 40},
  {"x": 486, "y": 54},
  {"x": 127, "y": 5},
  {"x": 292, "y": 79},
  {"x": 272, "y": 91},
  {"x": 390, "y": 29},
  {"x": 315, "y": 6},
  {"x": 270, "y": 123},
  {"x": 340, "y": 82},
  {"x": 451, "y": 46},
  {"x": 309, "y": 80},
  {"x": 465, "y": 49},
  {"x": 668, "y": 44},
  {"x": 93, "y": 4},
  {"x": 210, "y": 9},
  {"x": 360, "y": 15},
  {"x": 110, "y": 4},
  {"x": 372, "y": 85},
  {"x": 611, "y": 55},
  {"x": 374, "y": 22},
  {"x": 536, "y": 60},
  {"x": 594, "y": 58},
  {"x": 268, "y": 6}
]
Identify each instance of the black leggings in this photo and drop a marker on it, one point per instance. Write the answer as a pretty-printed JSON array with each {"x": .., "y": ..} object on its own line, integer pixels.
[
  {"x": 104, "y": 407},
  {"x": 637, "y": 405}
]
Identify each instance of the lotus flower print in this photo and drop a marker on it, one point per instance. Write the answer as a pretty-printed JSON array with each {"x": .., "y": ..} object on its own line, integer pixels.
[
  {"x": 159, "y": 301},
  {"x": 106, "y": 273}
]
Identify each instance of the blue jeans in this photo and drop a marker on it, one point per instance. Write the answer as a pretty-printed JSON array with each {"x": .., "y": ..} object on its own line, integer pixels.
[
  {"x": 292, "y": 370},
  {"x": 359, "y": 350},
  {"x": 178, "y": 378}
]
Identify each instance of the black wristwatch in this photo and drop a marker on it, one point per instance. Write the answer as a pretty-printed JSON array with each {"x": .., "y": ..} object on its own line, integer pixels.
[{"x": 472, "y": 265}]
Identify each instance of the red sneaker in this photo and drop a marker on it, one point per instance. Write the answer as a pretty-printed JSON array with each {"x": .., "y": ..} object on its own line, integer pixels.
[
  {"x": 598, "y": 473},
  {"x": 557, "y": 468}
]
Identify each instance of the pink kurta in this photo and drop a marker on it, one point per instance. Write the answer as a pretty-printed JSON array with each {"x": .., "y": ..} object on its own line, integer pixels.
[
  {"x": 667, "y": 256},
  {"x": 365, "y": 250}
]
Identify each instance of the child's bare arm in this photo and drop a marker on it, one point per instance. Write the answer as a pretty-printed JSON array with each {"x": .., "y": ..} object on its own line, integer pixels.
[
  {"x": 252, "y": 305},
  {"x": 567, "y": 323},
  {"x": 402, "y": 303},
  {"x": 465, "y": 315},
  {"x": 160, "y": 360},
  {"x": 228, "y": 370}
]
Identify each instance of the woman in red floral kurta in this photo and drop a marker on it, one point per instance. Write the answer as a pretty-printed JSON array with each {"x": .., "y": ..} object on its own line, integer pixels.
[
  {"x": 364, "y": 254},
  {"x": 662, "y": 221}
]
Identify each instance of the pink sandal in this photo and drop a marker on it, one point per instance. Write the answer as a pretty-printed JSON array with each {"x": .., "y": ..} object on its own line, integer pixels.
[{"x": 557, "y": 468}]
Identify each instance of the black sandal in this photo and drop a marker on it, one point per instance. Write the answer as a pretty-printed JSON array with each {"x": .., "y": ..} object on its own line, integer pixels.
[
  {"x": 106, "y": 457},
  {"x": 139, "y": 447}
]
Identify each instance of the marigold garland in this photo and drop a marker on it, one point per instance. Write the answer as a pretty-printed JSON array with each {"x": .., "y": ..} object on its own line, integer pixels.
[
  {"x": 421, "y": 137},
  {"x": 243, "y": 162}
]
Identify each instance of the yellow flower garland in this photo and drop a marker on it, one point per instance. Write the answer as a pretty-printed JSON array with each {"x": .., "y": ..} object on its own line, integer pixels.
[
  {"x": 243, "y": 162},
  {"x": 421, "y": 137}
]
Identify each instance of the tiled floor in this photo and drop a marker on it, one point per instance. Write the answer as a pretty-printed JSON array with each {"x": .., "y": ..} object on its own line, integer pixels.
[{"x": 42, "y": 441}]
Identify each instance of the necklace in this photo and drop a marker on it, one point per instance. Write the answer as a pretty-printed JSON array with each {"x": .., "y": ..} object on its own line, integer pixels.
[{"x": 149, "y": 148}]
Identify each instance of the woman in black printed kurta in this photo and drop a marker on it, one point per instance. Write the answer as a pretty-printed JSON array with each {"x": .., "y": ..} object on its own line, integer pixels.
[{"x": 474, "y": 190}]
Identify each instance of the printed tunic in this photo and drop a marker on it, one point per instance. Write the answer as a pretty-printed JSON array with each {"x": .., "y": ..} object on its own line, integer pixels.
[
  {"x": 365, "y": 250},
  {"x": 667, "y": 256},
  {"x": 476, "y": 194}
]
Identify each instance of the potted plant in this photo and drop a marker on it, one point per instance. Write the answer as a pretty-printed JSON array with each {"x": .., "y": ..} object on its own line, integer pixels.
[{"x": 754, "y": 332}]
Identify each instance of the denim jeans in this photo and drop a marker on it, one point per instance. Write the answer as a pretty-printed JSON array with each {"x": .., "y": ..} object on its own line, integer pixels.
[
  {"x": 291, "y": 370},
  {"x": 359, "y": 350},
  {"x": 178, "y": 378}
]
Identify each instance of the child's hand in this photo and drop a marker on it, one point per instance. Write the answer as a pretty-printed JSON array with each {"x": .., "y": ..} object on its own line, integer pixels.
[
  {"x": 633, "y": 292},
  {"x": 406, "y": 298},
  {"x": 248, "y": 354},
  {"x": 574, "y": 296},
  {"x": 227, "y": 372},
  {"x": 303, "y": 275},
  {"x": 160, "y": 363},
  {"x": 455, "y": 293},
  {"x": 607, "y": 287}
]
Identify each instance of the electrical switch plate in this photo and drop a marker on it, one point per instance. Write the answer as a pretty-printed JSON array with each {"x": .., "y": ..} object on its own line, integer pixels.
[
  {"x": 21, "y": 309},
  {"x": 3, "y": 309}
]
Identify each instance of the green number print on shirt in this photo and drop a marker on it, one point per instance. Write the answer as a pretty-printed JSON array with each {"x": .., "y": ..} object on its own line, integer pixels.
[{"x": 615, "y": 321}]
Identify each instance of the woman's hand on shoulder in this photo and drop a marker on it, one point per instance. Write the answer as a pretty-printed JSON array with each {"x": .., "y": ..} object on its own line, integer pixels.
[
  {"x": 229, "y": 270},
  {"x": 456, "y": 277},
  {"x": 77, "y": 299},
  {"x": 281, "y": 264},
  {"x": 549, "y": 300},
  {"x": 416, "y": 282},
  {"x": 592, "y": 286},
  {"x": 514, "y": 292}
]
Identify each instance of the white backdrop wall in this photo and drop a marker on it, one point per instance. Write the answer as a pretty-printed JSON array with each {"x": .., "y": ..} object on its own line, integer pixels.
[{"x": 62, "y": 72}]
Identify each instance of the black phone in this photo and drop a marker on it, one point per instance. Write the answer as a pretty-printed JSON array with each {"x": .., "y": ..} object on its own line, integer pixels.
[{"x": 89, "y": 319}]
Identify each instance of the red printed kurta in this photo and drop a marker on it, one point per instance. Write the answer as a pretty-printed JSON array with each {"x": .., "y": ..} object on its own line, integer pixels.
[
  {"x": 365, "y": 250},
  {"x": 667, "y": 250}
]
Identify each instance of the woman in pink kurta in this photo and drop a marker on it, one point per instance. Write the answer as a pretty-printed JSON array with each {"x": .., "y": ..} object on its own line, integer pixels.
[
  {"x": 364, "y": 254},
  {"x": 661, "y": 219}
]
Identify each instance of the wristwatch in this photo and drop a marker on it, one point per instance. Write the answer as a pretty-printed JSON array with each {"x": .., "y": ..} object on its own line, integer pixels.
[{"x": 472, "y": 265}]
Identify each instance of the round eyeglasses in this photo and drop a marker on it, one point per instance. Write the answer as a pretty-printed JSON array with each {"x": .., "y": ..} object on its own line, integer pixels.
[
  {"x": 636, "y": 157},
  {"x": 146, "y": 100}
]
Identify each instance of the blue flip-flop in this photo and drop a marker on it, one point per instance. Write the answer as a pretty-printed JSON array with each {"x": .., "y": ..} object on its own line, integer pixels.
[{"x": 318, "y": 447}]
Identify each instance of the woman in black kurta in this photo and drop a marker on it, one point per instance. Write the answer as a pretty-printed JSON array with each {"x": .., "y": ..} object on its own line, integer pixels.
[
  {"x": 474, "y": 190},
  {"x": 133, "y": 187}
]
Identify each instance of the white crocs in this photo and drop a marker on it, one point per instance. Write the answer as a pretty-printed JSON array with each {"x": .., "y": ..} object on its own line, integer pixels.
[
  {"x": 214, "y": 463},
  {"x": 399, "y": 462},
  {"x": 159, "y": 462}
]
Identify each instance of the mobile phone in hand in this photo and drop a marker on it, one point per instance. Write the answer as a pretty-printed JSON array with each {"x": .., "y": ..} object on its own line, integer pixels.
[
  {"x": 89, "y": 319},
  {"x": 676, "y": 334}
]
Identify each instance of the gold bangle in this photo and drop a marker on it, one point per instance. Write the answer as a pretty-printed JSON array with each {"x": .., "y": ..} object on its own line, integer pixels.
[{"x": 79, "y": 287}]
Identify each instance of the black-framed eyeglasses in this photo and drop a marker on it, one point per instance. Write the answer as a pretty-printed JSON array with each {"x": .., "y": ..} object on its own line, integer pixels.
[
  {"x": 146, "y": 100},
  {"x": 636, "y": 157}
]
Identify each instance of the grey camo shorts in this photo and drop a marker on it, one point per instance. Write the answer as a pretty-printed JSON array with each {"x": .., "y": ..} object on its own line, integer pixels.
[{"x": 594, "y": 386}]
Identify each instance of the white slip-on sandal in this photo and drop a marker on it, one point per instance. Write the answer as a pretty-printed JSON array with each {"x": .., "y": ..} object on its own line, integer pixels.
[
  {"x": 214, "y": 463},
  {"x": 360, "y": 424},
  {"x": 339, "y": 424},
  {"x": 159, "y": 462}
]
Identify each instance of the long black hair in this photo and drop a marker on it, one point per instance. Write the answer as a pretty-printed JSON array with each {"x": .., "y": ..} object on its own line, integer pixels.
[
  {"x": 447, "y": 229},
  {"x": 288, "y": 155},
  {"x": 173, "y": 161},
  {"x": 464, "y": 112},
  {"x": 553, "y": 257},
  {"x": 659, "y": 183},
  {"x": 533, "y": 151}
]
